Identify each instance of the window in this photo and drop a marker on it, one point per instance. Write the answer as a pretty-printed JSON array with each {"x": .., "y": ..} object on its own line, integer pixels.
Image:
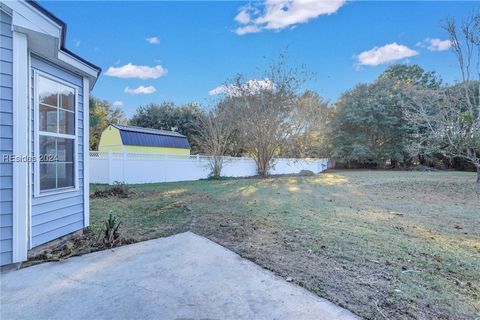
[{"x": 56, "y": 134}]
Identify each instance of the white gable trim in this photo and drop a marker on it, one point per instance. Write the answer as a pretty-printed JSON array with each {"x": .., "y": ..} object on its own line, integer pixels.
[
  {"x": 27, "y": 17},
  {"x": 31, "y": 21}
]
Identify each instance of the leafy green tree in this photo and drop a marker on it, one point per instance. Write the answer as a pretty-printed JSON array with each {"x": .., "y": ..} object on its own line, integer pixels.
[
  {"x": 101, "y": 115},
  {"x": 368, "y": 127},
  {"x": 168, "y": 116},
  {"x": 359, "y": 126},
  {"x": 310, "y": 123},
  {"x": 410, "y": 75}
]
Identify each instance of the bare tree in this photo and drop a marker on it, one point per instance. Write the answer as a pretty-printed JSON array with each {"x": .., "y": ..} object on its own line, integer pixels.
[
  {"x": 263, "y": 110},
  {"x": 214, "y": 134},
  {"x": 448, "y": 119},
  {"x": 444, "y": 124}
]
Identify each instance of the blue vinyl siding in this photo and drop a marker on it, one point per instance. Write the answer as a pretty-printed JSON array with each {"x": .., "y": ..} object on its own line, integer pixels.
[
  {"x": 56, "y": 215},
  {"x": 6, "y": 139}
]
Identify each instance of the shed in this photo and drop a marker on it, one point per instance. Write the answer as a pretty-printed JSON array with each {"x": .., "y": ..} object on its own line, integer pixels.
[
  {"x": 44, "y": 131},
  {"x": 121, "y": 138}
]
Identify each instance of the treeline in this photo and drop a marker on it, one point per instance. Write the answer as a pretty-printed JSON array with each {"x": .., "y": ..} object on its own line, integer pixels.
[
  {"x": 365, "y": 128},
  {"x": 406, "y": 117},
  {"x": 368, "y": 127}
]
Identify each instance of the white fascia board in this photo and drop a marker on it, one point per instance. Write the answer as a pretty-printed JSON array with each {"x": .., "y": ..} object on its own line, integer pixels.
[
  {"x": 82, "y": 67},
  {"x": 26, "y": 16}
]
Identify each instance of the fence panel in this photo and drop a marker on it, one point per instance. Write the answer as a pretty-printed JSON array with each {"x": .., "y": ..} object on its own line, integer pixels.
[
  {"x": 99, "y": 167},
  {"x": 129, "y": 167}
]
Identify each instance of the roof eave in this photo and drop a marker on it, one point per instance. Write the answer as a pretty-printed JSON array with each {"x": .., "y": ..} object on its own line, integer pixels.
[
  {"x": 93, "y": 68},
  {"x": 122, "y": 128}
]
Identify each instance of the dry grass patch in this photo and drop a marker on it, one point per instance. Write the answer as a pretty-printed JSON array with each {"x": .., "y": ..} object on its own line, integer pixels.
[{"x": 381, "y": 243}]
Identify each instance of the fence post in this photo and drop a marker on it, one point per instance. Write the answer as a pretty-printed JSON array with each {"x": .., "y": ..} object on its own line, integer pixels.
[
  {"x": 124, "y": 162},
  {"x": 198, "y": 158},
  {"x": 110, "y": 169}
]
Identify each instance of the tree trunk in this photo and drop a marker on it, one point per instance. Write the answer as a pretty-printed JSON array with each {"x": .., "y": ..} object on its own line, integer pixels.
[
  {"x": 421, "y": 159},
  {"x": 393, "y": 163},
  {"x": 263, "y": 171}
]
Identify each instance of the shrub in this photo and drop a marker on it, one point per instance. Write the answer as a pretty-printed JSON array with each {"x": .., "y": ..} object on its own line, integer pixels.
[
  {"x": 118, "y": 189},
  {"x": 306, "y": 173},
  {"x": 111, "y": 234}
]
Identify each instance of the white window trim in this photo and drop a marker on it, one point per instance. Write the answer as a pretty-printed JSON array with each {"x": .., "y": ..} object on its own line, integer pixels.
[
  {"x": 30, "y": 150},
  {"x": 21, "y": 212},
  {"x": 37, "y": 192},
  {"x": 86, "y": 152}
]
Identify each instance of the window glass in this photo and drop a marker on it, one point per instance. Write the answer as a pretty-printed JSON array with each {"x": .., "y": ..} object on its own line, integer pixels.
[
  {"x": 67, "y": 98},
  {"x": 65, "y": 150},
  {"x": 56, "y": 138},
  {"x": 65, "y": 175},
  {"x": 66, "y": 122},
  {"x": 48, "y": 118},
  {"x": 48, "y": 92},
  {"x": 47, "y": 148},
  {"x": 48, "y": 180},
  {"x": 57, "y": 107}
]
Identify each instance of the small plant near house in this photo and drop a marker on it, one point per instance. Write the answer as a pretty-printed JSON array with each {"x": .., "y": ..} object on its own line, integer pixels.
[
  {"x": 111, "y": 233},
  {"x": 118, "y": 189}
]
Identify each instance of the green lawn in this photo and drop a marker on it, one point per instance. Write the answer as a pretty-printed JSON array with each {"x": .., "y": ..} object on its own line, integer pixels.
[{"x": 384, "y": 244}]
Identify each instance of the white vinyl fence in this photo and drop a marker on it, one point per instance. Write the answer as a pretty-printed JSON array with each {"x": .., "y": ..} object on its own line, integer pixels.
[{"x": 129, "y": 167}]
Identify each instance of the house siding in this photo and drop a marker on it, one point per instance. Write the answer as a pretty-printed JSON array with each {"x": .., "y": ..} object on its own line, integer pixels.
[
  {"x": 6, "y": 138},
  {"x": 59, "y": 214}
]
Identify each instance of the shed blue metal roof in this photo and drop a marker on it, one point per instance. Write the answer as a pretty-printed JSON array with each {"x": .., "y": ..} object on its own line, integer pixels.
[{"x": 136, "y": 136}]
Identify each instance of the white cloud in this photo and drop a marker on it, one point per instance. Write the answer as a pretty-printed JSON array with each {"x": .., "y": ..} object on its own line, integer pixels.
[
  {"x": 141, "y": 90},
  {"x": 132, "y": 71},
  {"x": 118, "y": 103},
  {"x": 388, "y": 53},
  {"x": 243, "y": 16},
  {"x": 220, "y": 90},
  {"x": 153, "y": 40},
  {"x": 435, "y": 44},
  {"x": 280, "y": 14},
  {"x": 247, "y": 29},
  {"x": 250, "y": 87}
]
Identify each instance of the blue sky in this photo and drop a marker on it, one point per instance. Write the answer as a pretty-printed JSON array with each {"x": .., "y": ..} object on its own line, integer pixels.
[{"x": 199, "y": 44}]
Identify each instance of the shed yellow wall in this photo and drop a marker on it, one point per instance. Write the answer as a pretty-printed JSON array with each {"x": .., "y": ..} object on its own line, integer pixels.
[
  {"x": 161, "y": 150},
  {"x": 111, "y": 140}
]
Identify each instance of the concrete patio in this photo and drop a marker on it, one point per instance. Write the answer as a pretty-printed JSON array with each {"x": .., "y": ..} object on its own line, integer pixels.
[{"x": 184, "y": 276}]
